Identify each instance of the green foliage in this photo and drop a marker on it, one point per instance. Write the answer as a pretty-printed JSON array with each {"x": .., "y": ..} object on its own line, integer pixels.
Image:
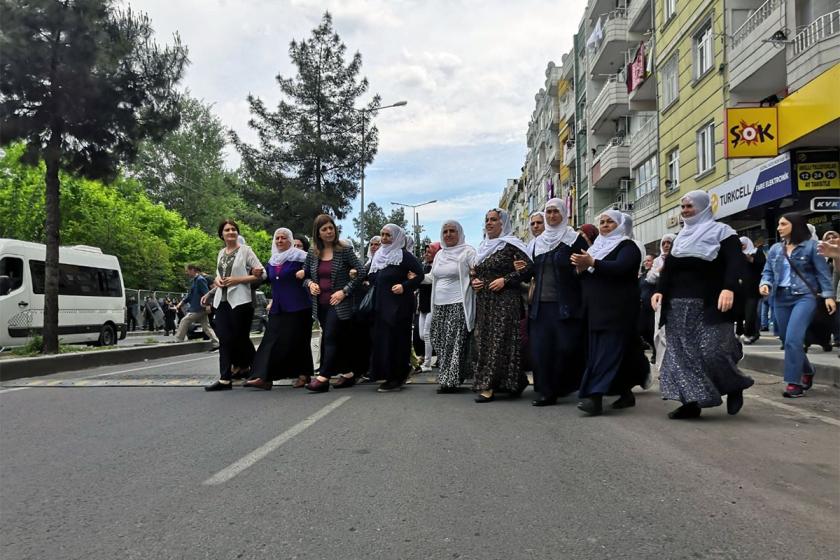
[
  {"x": 375, "y": 218},
  {"x": 309, "y": 155}
]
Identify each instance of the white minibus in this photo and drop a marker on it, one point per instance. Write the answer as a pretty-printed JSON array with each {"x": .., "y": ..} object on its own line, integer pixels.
[{"x": 91, "y": 301}]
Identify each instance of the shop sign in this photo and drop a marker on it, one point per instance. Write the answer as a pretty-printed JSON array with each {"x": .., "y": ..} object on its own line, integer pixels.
[
  {"x": 758, "y": 186},
  {"x": 825, "y": 204},
  {"x": 817, "y": 170},
  {"x": 751, "y": 132}
]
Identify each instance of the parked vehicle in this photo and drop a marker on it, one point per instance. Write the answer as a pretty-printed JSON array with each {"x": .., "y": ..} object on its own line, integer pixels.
[{"x": 91, "y": 302}]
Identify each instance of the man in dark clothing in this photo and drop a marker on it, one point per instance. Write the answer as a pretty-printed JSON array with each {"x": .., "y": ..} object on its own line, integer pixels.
[{"x": 195, "y": 311}]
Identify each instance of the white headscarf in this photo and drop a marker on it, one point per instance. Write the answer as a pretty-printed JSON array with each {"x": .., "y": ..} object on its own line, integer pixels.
[
  {"x": 747, "y": 244},
  {"x": 701, "y": 235},
  {"x": 812, "y": 228},
  {"x": 659, "y": 261},
  {"x": 490, "y": 246},
  {"x": 533, "y": 240},
  {"x": 555, "y": 235},
  {"x": 292, "y": 254},
  {"x": 374, "y": 239},
  {"x": 392, "y": 253},
  {"x": 455, "y": 253},
  {"x": 604, "y": 244}
]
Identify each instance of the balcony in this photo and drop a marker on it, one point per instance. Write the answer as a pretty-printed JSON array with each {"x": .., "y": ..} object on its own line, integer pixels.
[
  {"x": 815, "y": 49},
  {"x": 609, "y": 49},
  {"x": 754, "y": 61},
  {"x": 643, "y": 142},
  {"x": 611, "y": 164},
  {"x": 643, "y": 98},
  {"x": 596, "y": 7},
  {"x": 639, "y": 16},
  {"x": 610, "y": 104}
]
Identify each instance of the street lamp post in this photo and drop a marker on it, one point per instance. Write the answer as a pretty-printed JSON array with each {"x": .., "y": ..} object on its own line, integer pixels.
[
  {"x": 364, "y": 113},
  {"x": 414, "y": 208}
]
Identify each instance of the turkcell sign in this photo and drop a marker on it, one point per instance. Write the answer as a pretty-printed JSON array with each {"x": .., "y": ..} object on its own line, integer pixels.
[{"x": 768, "y": 182}]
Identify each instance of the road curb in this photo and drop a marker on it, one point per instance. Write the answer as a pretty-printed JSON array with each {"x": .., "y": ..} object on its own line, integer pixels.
[
  {"x": 17, "y": 368},
  {"x": 775, "y": 366}
]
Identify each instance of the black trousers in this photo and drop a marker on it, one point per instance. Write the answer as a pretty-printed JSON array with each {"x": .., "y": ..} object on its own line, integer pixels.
[
  {"x": 558, "y": 349},
  {"x": 233, "y": 327},
  {"x": 391, "y": 359},
  {"x": 285, "y": 350},
  {"x": 360, "y": 336},
  {"x": 749, "y": 326},
  {"x": 333, "y": 329},
  {"x": 647, "y": 322}
]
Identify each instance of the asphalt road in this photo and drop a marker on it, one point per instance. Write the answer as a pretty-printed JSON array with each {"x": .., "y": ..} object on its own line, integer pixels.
[{"x": 170, "y": 472}]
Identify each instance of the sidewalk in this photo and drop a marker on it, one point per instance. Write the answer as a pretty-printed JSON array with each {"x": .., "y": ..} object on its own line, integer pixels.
[{"x": 766, "y": 356}]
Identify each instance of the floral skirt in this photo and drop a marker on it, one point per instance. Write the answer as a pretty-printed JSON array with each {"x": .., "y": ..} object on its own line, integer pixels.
[{"x": 450, "y": 339}]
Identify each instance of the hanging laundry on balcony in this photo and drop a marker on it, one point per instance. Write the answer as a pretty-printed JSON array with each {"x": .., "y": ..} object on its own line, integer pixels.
[
  {"x": 637, "y": 71},
  {"x": 595, "y": 38}
]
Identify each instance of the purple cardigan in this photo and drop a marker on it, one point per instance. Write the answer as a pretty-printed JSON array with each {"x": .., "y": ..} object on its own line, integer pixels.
[{"x": 287, "y": 292}]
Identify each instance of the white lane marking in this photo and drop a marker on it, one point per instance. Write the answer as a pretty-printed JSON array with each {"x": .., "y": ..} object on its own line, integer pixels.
[
  {"x": 795, "y": 410},
  {"x": 256, "y": 455},
  {"x": 13, "y": 389}
]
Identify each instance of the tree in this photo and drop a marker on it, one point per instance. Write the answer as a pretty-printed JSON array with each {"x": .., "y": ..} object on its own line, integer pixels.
[
  {"x": 186, "y": 172},
  {"x": 81, "y": 83},
  {"x": 375, "y": 218},
  {"x": 309, "y": 156}
]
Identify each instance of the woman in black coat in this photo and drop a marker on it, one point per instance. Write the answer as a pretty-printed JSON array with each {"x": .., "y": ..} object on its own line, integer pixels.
[
  {"x": 609, "y": 277},
  {"x": 748, "y": 326},
  {"x": 394, "y": 308}
]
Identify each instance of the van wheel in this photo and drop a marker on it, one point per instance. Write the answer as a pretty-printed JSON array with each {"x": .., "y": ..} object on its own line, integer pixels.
[{"x": 107, "y": 336}]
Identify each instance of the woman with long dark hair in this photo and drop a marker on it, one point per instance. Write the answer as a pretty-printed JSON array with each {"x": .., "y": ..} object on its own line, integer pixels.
[
  {"x": 328, "y": 279},
  {"x": 797, "y": 276},
  {"x": 237, "y": 268},
  {"x": 700, "y": 291},
  {"x": 497, "y": 362},
  {"x": 394, "y": 308},
  {"x": 285, "y": 348}
]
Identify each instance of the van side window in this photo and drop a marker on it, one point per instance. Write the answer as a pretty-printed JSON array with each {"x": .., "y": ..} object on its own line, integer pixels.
[
  {"x": 75, "y": 280},
  {"x": 13, "y": 268}
]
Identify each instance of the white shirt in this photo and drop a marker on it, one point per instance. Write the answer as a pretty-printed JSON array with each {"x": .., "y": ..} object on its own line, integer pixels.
[{"x": 448, "y": 284}]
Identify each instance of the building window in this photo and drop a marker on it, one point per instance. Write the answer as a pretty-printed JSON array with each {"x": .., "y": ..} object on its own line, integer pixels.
[
  {"x": 673, "y": 182},
  {"x": 706, "y": 148},
  {"x": 703, "y": 54},
  {"x": 670, "y": 81},
  {"x": 646, "y": 178},
  {"x": 670, "y": 9}
]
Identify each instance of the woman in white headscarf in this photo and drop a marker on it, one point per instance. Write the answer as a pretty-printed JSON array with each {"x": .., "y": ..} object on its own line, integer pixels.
[
  {"x": 609, "y": 277},
  {"x": 497, "y": 361},
  {"x": 748, "y": 326},
  {"x": 453, "y": 306},
  {"x": 394, "y": 309},
  {"x": 555, "y": 327},
  {"x": 697, "y": 290},
  {"x": 536, "y": 224},
  {"x": 285, "y": 350}
]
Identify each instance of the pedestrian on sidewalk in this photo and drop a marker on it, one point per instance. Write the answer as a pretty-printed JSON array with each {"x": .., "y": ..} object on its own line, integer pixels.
[
  {"x": 799, "y": 280},
  {"x": 237, "y": 269},
  {"x": 326, "y": 274},
  {"x": 497, "y": 359},
  {"x": 424, "y": 306},
  {"x": 609, "y": 280},
  {"x": 749, "y": 326},
  {"x": 699, "y": 290},
  {"x": 196, "y": 312},
  {"x": 285, "y": 351},
  {"x": 556, "y": 330},
  {"x": 394, "y": 287},
  {"x": 453, "y": 306}
]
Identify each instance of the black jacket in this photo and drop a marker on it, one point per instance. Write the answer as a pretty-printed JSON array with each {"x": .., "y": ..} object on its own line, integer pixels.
[
  {"x": 611, "y": 292},
  {"x": 569, "y": 296},
  {"x": 391, "y": 307},
  {"x": 344, "y": 260}
]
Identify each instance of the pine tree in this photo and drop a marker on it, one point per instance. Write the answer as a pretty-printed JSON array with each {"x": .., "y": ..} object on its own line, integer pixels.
[
  {"x": 309, "y": 156},
  {"x": 81, "y": 83}
]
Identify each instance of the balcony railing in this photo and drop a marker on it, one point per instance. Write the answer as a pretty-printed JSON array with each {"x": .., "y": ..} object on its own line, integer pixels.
[
  {"x": 644, "y": 130},
  {"x": 822, "y": 28},
  {"x": 756, "y": 18}
]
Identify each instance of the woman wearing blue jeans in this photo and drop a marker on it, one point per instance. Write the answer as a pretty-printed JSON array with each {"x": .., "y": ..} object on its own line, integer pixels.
[{"x": 796, "y": 274}]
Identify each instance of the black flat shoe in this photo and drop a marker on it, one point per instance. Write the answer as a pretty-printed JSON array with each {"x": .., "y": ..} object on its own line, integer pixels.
[
  {"x": 447, "y": 390},
  {"x": 624, "y": 401},
  {"x": 482, "y": 399},
  {"x": 734, "y": 402},
  {"x": 219, "y": 386},
  {"x": 593, "y": 406},
  {"x": 686, "y": 411},
  {"x": 544, "y": 401}
]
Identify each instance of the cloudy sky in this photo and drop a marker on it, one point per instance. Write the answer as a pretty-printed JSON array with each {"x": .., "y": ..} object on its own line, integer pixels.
[{"x": 469, "y": 70}]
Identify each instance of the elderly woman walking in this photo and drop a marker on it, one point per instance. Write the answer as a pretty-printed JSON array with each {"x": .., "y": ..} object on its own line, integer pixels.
[
  {"x": 453, "y": 306},
  {"x": 237, "y": 268},
  {"x": 285, "y": 349},
  {"x": 699, "y": 290},
  {"x": 555, "y": 323},
  {"x": 496, "y": 358},
  {"x": 394, "y": 308}
]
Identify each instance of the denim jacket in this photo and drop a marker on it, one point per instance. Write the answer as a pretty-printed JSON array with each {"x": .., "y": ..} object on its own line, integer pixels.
[{"x": 807, "y": 261}]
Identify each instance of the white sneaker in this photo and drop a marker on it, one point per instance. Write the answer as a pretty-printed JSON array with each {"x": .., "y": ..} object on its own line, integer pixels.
[{"x": 424, "y": 368}]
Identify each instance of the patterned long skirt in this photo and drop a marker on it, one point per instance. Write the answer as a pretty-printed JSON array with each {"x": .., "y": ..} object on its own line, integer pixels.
[
  {"x": 701, "y": 360},
  {"x": 450, "y": 338},
  {"x": 496, "y": 359}
]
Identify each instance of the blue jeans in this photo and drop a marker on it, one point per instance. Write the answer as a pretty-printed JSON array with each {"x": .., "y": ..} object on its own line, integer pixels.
[{"x": 793, "y": 315}]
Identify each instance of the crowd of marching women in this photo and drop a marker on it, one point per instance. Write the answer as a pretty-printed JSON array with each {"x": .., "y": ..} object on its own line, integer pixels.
[{"x": 571, "y": 306}]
